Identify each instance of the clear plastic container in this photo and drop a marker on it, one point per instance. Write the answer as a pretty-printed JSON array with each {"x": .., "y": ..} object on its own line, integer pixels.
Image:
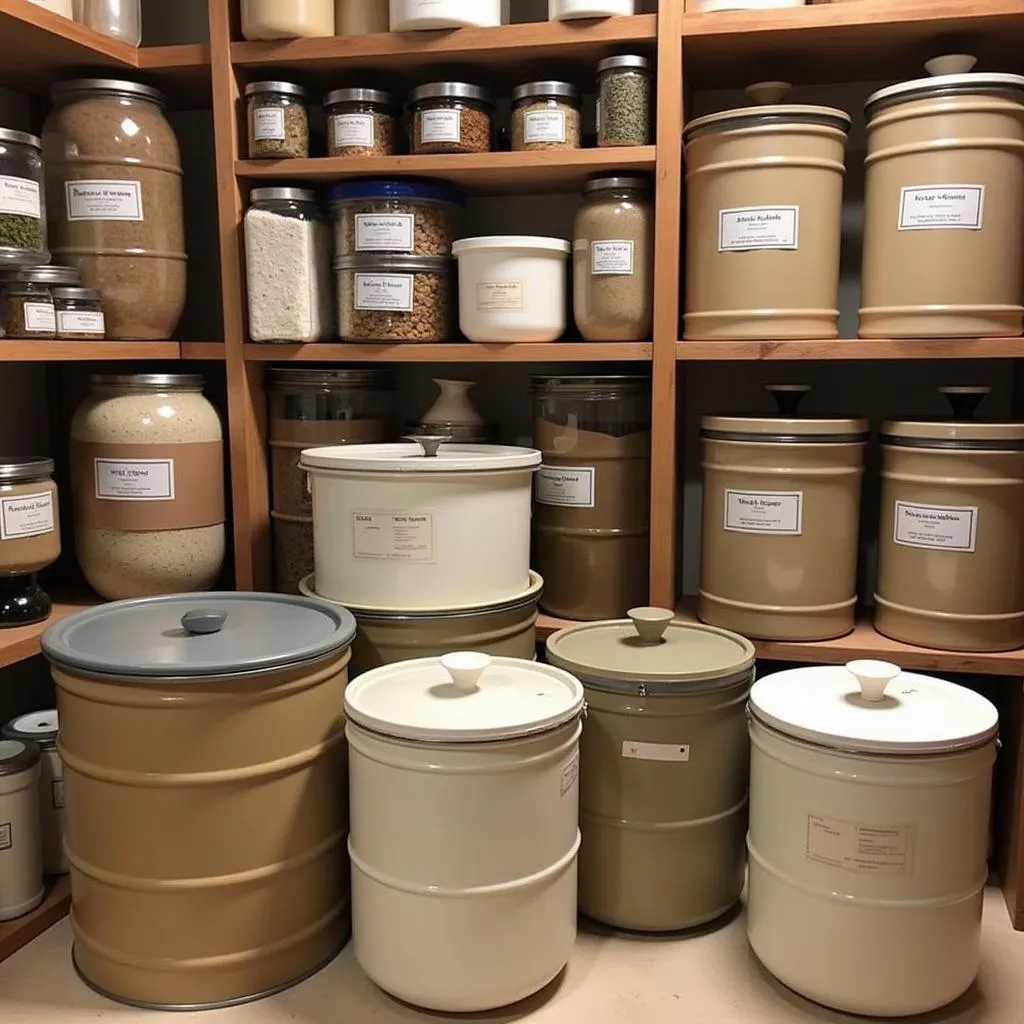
[
  {"x": 360, "y": 17},
  {"x": 450, "y": 117},
  {"x": 361, "y": 122},
  {"x": 624, "y": 101},
  {"x": 278, "y": 120},
  {"x": 119, "y": 19},
  {"x": 287, "y": 19},
  {"x": 546, "y": 115},
  {"x": 22, "y": 200}
]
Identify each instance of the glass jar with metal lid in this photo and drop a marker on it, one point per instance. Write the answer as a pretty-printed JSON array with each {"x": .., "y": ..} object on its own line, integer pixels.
[
  {"x": 79, "y": 313},
  {"x": 29, "y": 537},
  {"x": 781, "y": 512},
  {"x": 22, "y": 200},
  {"x": 278, "y": 119},
  {"x": 361, "y": 122},
  {"x": 950, "y": 557},
  {"x": 546, "y": 115},
  {"x": 613, "y": 260},
  {"x": 21, "y": 862},
  {"x": 450, "y": 117},
  {"x": 624, "y": 101},
  {"x": 943, "y": 208},
  {"x": 28, "y": 300},
  {"x": 764, "y": 190}
]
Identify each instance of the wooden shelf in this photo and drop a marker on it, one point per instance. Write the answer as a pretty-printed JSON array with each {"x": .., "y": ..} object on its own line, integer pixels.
[
  {"x": 851, "y": 349},
  {"x": 22, "y": 642},
  {"x": 548, "y": 624},
  {"x": 465, "y": 352},
  {"x": 13, "y": 350},
  {"x": 22, "y": 930},
  {"x": 207, "y": 350}
]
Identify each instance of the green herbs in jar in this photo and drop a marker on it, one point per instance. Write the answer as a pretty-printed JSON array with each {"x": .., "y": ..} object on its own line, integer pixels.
[
  {"x": 22, "y": 213},
  {"x": 18, "y": 231},
  {"x": 624, "y": 101}
]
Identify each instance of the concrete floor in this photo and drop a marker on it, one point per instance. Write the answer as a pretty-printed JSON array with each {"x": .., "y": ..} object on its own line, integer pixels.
[{"x": 710, "y": 978}]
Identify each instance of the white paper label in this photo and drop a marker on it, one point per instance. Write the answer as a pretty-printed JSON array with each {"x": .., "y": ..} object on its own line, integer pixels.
[
  {"x": 544, "y": 126},
  {"x": 746, "y": 228},
  {"x": 764, "y": 512},
  {"x": 6, "y": 836},
  {"x": 268, "y": 123},
  {"x": 40, "y": 316},
  {"x": 353, "y": 129},
  {"x": 57, "y": 793},
  {"x": 939, "y": 527},
  {"x": 570, "y": 774},
  {"x": 134, "y": 479},
  {"x": 440, "y": 126},
  {"x": 388, "y": 232},
  {"x": 384, "y": 291},
  {"x": 20, "y": 195},
  {"x": 499, "y": 296},
  {"x": 864, "y": 849},
  {"x": 656, "y": 751},
  {"x": 81, "y": 323},
  {"x": 393, "y": 536},
  {"x": 102, "y": 199},
  {"x": 565, "y": 486},
  {"x": 611, "y": 257},
  {"x": 933, "y": 207},
  {"x": 27, "y": 515}
]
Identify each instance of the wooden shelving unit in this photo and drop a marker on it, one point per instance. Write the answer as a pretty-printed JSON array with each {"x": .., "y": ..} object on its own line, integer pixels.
[
  {"x": 22, "y": 930},
  {"x": 23, "y": 641},
  {"x": 829, "y": 350},
  {"x": 558, "y": 352}
]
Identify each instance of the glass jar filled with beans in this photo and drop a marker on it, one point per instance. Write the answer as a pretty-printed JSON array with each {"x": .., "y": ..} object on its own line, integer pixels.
[
  {"x": 546, "y": 115},
  {"x": 361, "y": 122},
  {"x": 451, "y": 117},
  {"x": 624, "y": 101},
  {"x": 28, "y": 310},
  {"x": 278, "y": 118}
]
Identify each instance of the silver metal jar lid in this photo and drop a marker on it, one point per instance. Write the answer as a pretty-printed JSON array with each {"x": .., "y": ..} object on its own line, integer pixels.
[
  {"x": 169, "y": 381},
  {"x": 45, "y": 275},
  {"x": 281, "y": 88},
  {"x": 113, "y": 86},
  {"x": 40, "y": 727},
  {"x": 17, "y": 470},
  {"x": 356, "y": 95},
  {"x": 449, "y": 91},
  {"x": 945, "y": 85},
  {"x": 608, "y": 385},
  {"x": 269, "y": 192},
  {"x": 17, "y": 756},
  {"x": 616, "y": 181},
  {"x": 76, "y": 292},
  {"x": 537, "y": 90},
  {"x": 302, "y": 379},
  {"x": 22, "y": 138},
  {"x": 410, "y": 264},
  {"x": 628, "y": 60}
]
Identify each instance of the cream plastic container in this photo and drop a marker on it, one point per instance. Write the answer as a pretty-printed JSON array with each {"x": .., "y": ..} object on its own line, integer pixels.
[
  {"x": 419, "y": 526},
  {"x": 287, "y": 19},
  {"x": 416, "y": 15},
  {"x": 455, "y": 911},
  {"x": 869, "y": 805},
  {"x": 709, "y": 6},
  {"x": 568, "y": 10},
  {"x": 512, "y": 287},
  {"x": 21, "y": 858}
]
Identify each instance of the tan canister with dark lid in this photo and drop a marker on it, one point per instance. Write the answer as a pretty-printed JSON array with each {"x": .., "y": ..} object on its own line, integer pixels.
[
  {"x": 764, "y": 193},
  {"x": 205, "y": 770},
  {"x": 944, "y": 206},
  {"x": 781, "y": 512},
  {"x": 951, "y": 532},
  {"x": 663, "y": 767}
]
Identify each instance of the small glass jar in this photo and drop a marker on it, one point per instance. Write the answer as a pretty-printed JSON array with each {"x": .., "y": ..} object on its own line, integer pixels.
[
  {"x": 119, "y": 19},
  {"x": 361, "y": 122},
  {"x": 624, "y": 101},
  {"x": 451, "y": 117},
  {"x": 278, "y": 119},
  {"x": 546, "y": 115},
  {"x": 28, "y": 304},
  {"x": 22, "y": 200},
  {"x": 79, "y": 313}
]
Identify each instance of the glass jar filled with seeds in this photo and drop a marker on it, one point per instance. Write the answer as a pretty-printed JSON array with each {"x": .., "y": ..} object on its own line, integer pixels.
[
  {"x": 28, "y": 300},
  {"x": 624, "y": 101},
  {"x": 546, "y": 115},
  {"x": 79, "y": 313},
  {"x": 361, "y": 122},
  {"x": 278, "y": 118},
  {"x": 451, "y": 117},
  {"x": 22, "y": 203}
]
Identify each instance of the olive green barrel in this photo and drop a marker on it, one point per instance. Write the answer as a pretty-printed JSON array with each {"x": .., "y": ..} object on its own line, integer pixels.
[
  {"x": 663, "y": 768},
  {"x": 205, "y": 777}
]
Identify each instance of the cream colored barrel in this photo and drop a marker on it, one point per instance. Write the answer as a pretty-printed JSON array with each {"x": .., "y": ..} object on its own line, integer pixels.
[{"x": 21, "y": 857}]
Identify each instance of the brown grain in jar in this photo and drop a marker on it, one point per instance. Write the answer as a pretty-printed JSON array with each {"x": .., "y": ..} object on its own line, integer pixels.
[
  {"x": 546, "y": 115},
  {"x": 451, "y": 117},
  {"x": 278, "y": 120},
  {"x": 361, "y": 122}
]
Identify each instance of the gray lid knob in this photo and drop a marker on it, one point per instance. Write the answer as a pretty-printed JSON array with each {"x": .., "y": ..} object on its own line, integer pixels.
[
  {"x": 964, "y": 400},
  {"x": 201, "y": 621},
  {"x": 788, "y": 396},
  {"x": 428, "y": 442}
]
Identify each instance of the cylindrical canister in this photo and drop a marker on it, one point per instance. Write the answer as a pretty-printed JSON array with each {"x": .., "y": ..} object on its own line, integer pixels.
[
  {"x": 780, "y": 522},
  {"x": 663, "y": 767},
  {"x": 869, "y": 805},
  {"x": 950, "y": 543},
  {"x": 21, "y": 855},
  {"x": 764, "y": 190},
  {"x": 205, "y": 767}
]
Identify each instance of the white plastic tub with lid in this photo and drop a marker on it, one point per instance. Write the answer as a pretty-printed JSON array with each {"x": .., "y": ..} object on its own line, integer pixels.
[
  {"x": 567, "y": 10},
  {"x": 423, "y": 525},
  {"x": 416, "y": 15},
  {"x": 464, "y": 827},
  {"x": 869, "y": 803},
  {"x": 512, "y": 287}
]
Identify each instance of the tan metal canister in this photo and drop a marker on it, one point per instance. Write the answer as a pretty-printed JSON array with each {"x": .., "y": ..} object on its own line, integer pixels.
[
  {"x": 781, "y": 514},
  {"x": 205, "y": 776},
  {"x": 950, "y": 536},
  {"x": 764, "y": 192},
  {"x": 944, "y": 207},
  {"x": 663, "y": 767}
]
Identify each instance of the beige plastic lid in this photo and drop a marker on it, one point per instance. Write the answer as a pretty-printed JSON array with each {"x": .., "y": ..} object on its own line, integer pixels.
[
  {"x": 650, "y": 651},
  {"x": 950, "y": 75},
  {"x": 962, "y": 433},
  {"x": 426, "y": 454}
]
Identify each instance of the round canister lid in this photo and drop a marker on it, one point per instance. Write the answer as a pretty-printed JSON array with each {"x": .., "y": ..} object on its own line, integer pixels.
[
  {"x": 873, "y": 707},
  {"x": 17, "y": 755},
  {"x": 464, "y": 697},
  {"x": 39, "y": 726},
  {"x": 426, "y": 455},
  {"x": 946, "y": 85},
  {"x": 649, "y": 648},
  {"x": 963, "y": 432},
  {"x": 189, "y": 636}
]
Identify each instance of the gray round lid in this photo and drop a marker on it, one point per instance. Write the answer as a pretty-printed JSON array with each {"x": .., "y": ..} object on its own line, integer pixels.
[
  {"x": 15, "y": 470},
  {"x": 357, "y": 95},
  {"x": 113, "y": 86},
  {"x": 449, "y": 91},
  {"x": 22, "y": 138},
  {"x": 38, "y": 726},
  {"x": 279, "y": 88},
  {"x": 270, "y": 192},
  {"x": 46, "y": 275},
  {"x": 544, "y": 90},
  {"x": 188, "y": 636},
  {"x": 625, "y": 60},
  {"x": 168, "y": 381},
  {"x": 74, "y": 292},
  {"x": 17, "y": 755}
]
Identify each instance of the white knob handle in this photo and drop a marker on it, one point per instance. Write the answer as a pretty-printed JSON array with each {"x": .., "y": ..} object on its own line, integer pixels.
[
  {"x": 873, "y": 676},
  {"x": 465, "y": 668},
  {"x": 950, "y": 64},
  {"x": 650, "y": 623},
  {"x": 764, "y": 93}
]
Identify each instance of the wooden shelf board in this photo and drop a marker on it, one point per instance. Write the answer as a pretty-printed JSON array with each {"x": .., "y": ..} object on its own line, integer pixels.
[
  {"x": 465, "y": 352},
  {"x": 22, "y": 642},
  {"x": 851, "y": 349},
  {"x": 208, "y": 350},
  {"x": 548, "y": 624},
  {"x": 503, "y": 172},
  {"x": 182, "y": 72},
  {"x": 22, "y": 930},
  {"x": 13, "y": 350}
]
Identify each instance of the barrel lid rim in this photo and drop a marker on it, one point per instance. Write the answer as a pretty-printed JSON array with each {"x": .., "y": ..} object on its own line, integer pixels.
[
  {"x": 796, "y": 112},
  {"x": 953, "y": 434},
  {"x": 17, "y": 755},
  {"x": 921, "y": 88},
  {"x": 797, "y": 430},
  {"x": 44, "y": 734},
  {"x": 406, "y": 457}
]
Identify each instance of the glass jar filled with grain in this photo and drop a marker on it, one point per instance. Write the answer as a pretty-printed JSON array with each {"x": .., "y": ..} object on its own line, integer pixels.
[
  {"x": 546, "y": 115},
  {"x": 79, "y": 313},
  {"x": 624, "y": 101},
  {"x": 28, "y": 300},
  {"x": 22, "y": 209},
  {"x": 450, "y": 117},
  {"x": 361, "y": 122},
  {"x": 278, "y": 119}
]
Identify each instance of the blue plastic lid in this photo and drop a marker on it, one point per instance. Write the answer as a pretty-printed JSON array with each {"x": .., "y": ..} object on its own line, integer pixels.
[{"x": 435, "y": 190}]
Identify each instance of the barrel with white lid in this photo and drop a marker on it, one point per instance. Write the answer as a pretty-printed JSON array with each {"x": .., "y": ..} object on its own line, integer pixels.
[
  {"x": 21, "y": 860},
  {"x": 869, "y": 805},
  {"x": 464, "y": 811}
]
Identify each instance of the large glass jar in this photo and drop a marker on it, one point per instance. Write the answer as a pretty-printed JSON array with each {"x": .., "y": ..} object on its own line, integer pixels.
[
  {"x": 613, "y": 254},
  {"x": 450, "y": 117},
  {"x": 147, "y": 473},
  {"x": 624, "y": 101},
  {"x": 119, "y": 19},
  {"x": 287, "y": 19},
  {"x": 22, "y": 210},
  {"x": 360, "y": 17},
  {"x": 288, "y": 252},
  {"x": 114, "y": 198}
]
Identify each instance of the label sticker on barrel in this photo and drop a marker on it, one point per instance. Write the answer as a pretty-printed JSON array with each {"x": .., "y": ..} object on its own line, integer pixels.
[
  {"x": 565, "y": 486},
  {"x": 864, "y": 849},
  {"x": 6, "y": 836},
  {"x": 393, "y": 536},
  {"x": 57, "y": 793},
  {"x": 656, "y": 751},
  {"x": 103, "y": 199},
  {"x": 779, "y": 512},
  {"x": 937, "y": 207},
  {"x": 134, "y": 479},
  {"x": 938, "y": 527},
  {"x": 749, "y": 228},
  {"x": 570, "y": 773},
  {"x": 28, "y": 515}
]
